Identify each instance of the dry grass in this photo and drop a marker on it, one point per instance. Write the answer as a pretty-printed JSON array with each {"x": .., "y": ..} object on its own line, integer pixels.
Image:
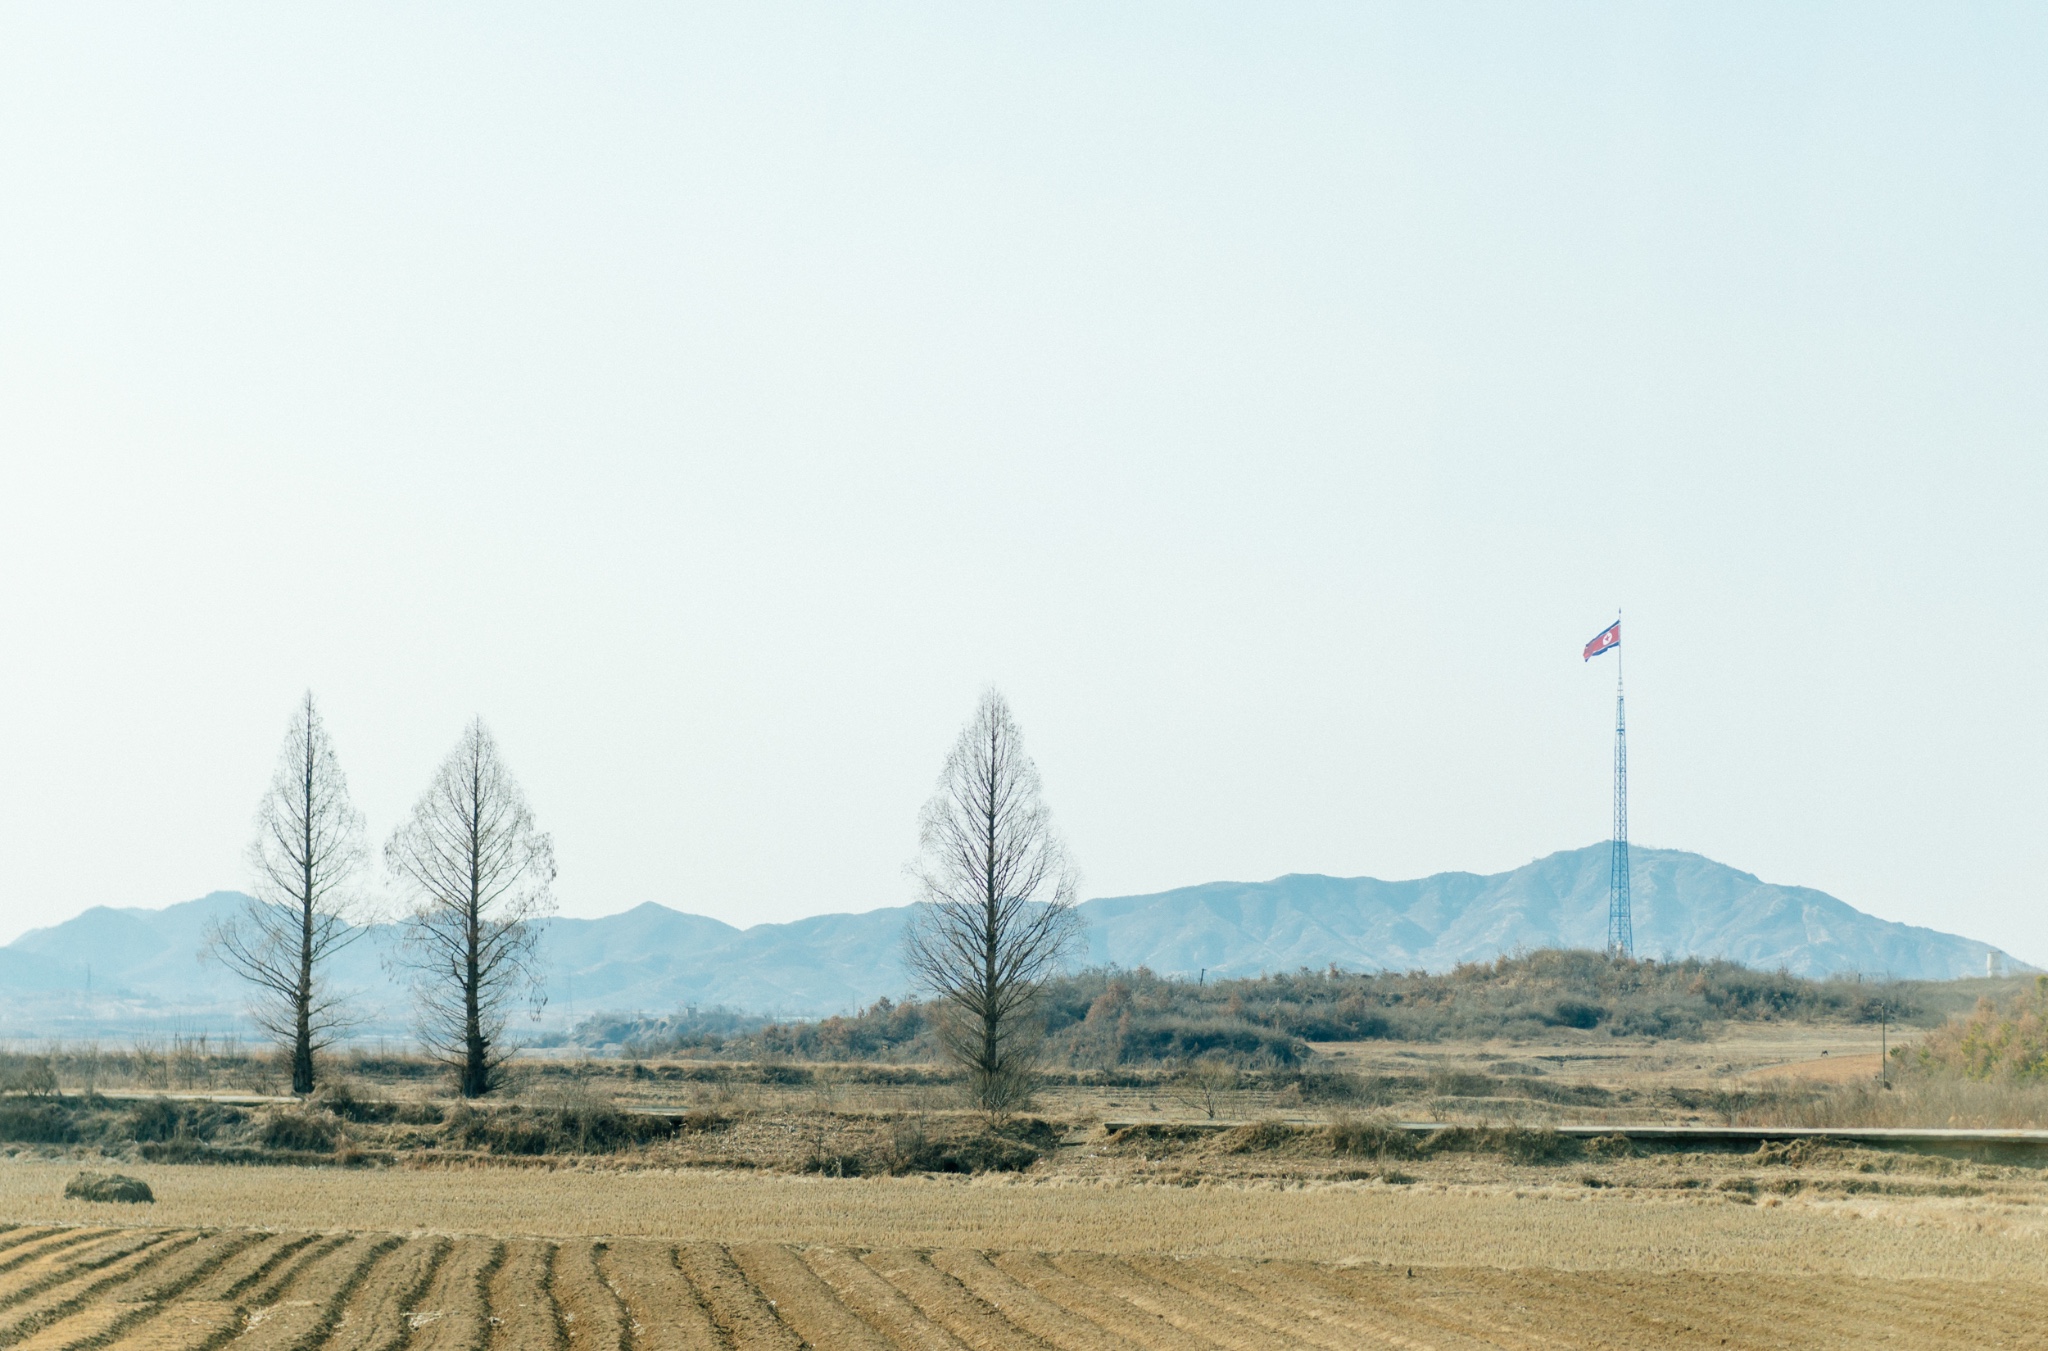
[
  {"x": 1647, "y": 1080},
  {"x": 1912, "y": 1100}
]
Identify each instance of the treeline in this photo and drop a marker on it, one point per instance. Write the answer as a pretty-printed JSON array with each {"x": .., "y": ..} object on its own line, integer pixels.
[
  {"x": 1104, "y": 1017},
  {"x": 1998, "y": 1040}
]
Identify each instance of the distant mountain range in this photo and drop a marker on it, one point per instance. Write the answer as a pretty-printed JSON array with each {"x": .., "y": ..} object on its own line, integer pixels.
[{"x": 118, "y": 973}]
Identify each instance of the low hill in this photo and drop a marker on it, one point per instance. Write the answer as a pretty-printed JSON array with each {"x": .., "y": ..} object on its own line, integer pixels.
[{"x": 120, "y": 971}]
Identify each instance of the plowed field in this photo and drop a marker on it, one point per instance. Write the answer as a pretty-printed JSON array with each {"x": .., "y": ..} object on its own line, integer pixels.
[{"x": 83, "y": 1289}]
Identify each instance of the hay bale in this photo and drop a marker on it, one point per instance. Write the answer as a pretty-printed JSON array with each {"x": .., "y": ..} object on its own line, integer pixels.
[{"x": 109, "y": 1187}]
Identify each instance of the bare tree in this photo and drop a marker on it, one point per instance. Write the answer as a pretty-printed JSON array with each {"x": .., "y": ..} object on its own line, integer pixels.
[
  {"x": 479, "y": 873},
  {"x": 306, "y": 857},
  {"x": 1203, "y": 1083},
  {"x": 997, "y": 913}
]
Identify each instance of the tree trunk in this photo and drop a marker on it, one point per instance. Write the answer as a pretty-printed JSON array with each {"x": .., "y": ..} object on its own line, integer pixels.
[
  {"x": 991, "y": 1068},
  {"x": 302, "y": 1042},
  {"x": 302, "y": 1039},
  {"x": 476, "y": 1069}
]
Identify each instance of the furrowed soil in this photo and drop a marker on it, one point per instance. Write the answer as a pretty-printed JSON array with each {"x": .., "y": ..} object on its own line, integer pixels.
[
  {"x": 495, "y": 1258},
  {"x": 366, "y": 1292},
  {"x": 1128, "y": 1216}
]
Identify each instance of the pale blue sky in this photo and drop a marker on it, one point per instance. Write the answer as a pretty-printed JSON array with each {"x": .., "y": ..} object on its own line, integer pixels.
[{"x": 1270, "y": 399}]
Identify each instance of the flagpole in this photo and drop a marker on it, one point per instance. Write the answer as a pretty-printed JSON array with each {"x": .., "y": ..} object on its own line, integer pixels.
[{"x": 1620, "y": 922}]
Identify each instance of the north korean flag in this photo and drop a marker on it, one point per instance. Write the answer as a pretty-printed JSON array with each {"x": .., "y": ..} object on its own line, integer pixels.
[{"x": 1606, "y": 638}]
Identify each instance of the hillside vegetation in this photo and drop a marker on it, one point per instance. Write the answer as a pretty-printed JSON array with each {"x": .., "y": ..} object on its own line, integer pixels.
[
  {"x": 1105, "y": 1017},
  {"x": 1998, "y": 1040}
]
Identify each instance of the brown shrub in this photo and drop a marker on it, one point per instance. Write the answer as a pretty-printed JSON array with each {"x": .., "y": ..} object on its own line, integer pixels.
[
  {"x": 306, "y": 1130},
  {"x": 1258, "y": 1138},
  {"x": 1368, "y": 1138},
  {"x": 1520, "y": 1144}
]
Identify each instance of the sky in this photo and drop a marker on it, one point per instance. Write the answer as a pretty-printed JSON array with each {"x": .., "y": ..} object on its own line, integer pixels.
[{"x": 1269, "y": 400}]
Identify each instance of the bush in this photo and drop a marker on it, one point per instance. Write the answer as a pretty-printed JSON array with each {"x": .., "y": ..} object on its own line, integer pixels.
[
  {"x": 344, "y": 1102},
  {"x": 158, "y": 1120},
  {"x": 34, "y": 1076},
  {"x": 308, "y": 1131},
  {"x": 836, "y": 1165},
  {"x": 1371, "y": 1139},
  {"x": 1330, "y": 1086},
  {"x": 1179, "y": 1040},
  {"x": 1518, "y": 1143},
  {"x": 1008, "y": 1148},
  {"x": 152, "y": 1119},
  {"x": 1463, "y": 1084},
  {"x": 605, "y": 1130},
  {"x": 575, "y": 1128},
  {"x": 1575, "y": 1013},
  {"x": 1158, "y": 1133},
  {"x": 1663, "y": 1020},
  {"x": 1258, "y": 1138},
  {"x": 1993, "y": 1042},
  {"x": 109, "y": 1187},
  {"x": 37, "y": 1123}
]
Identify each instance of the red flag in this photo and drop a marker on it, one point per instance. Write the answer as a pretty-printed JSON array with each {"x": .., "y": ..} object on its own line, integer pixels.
[{"x": 1606, "y": 638}]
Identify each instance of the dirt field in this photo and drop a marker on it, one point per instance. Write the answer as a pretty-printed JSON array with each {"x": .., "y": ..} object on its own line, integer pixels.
[
  {"x": 191, "y": 1290},
  {"x": 200, "y": 1290},
  {"x": 1139, "y": 1222},
  {"x": 564, "y": 1260}
]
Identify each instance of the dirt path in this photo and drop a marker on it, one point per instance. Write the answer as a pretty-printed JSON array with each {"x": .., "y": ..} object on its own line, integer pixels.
[{"x": 1831, "y": 1069}]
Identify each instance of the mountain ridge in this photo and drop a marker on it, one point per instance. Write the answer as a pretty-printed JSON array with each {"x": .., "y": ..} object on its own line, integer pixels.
[{"x": 143, "y": 969}]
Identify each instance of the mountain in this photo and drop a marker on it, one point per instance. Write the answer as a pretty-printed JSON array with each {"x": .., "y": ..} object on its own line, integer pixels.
[
  {"x": 145, "y": 976},
  {"x": 1683, "y": 906}
]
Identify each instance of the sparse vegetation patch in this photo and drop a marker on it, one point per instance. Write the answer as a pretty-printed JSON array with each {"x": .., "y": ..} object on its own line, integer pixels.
[{"x": 1104, "y": 1019}]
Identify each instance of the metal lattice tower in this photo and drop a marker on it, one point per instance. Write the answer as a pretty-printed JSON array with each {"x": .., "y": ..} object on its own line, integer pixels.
[{"x": 1621, "y": 939}]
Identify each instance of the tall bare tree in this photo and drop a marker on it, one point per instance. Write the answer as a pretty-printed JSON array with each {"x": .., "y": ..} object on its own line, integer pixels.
[
  {"x": 996, "y": 917},
  {"x": 306, "y": 857},
  {"x": 478, "y": 871}
]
